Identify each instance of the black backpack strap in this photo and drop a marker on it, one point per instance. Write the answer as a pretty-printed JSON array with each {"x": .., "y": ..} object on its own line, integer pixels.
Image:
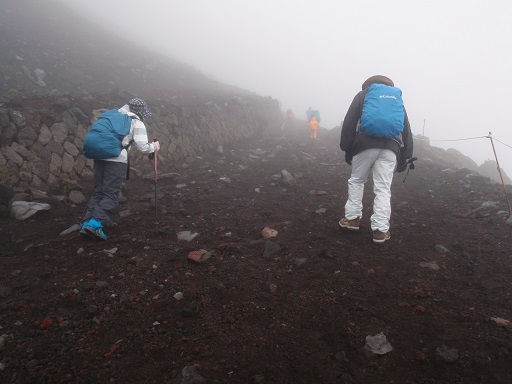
[
  {"x": 127, "y": 155},
  {"x": 128, "y": 169},
  {"x": 128, "y": 145}
]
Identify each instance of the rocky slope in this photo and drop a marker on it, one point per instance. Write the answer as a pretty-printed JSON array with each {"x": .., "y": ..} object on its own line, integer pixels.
[{"x": 280, "y": 293}]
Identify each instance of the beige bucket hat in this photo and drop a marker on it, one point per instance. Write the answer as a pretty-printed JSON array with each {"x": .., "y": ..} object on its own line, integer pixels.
[{"x": 380, "y": 79}]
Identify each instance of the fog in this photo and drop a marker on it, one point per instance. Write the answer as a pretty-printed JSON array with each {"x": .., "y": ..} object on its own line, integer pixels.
[{"x": 452, "y": 59}]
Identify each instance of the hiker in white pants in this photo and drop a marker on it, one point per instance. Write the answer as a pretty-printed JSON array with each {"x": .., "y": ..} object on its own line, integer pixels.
[
  {"x": 381, "y": 155},
  {"x": 382, "y": 162}
]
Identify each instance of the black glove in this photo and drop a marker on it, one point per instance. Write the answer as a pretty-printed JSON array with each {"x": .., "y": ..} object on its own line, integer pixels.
[
  {"x": 411, "y": 162},
  {"x": 348, "y": 158},
  {"x": 402, "y": 165}
]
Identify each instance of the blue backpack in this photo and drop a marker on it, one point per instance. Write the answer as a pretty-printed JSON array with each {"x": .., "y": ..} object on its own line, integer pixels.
[
  {"x": 104, "y": 139},
  {"x": 383, "y": 111}
]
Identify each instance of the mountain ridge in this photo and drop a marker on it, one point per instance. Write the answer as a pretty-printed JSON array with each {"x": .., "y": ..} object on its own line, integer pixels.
[{"x": 87, "y": 59}]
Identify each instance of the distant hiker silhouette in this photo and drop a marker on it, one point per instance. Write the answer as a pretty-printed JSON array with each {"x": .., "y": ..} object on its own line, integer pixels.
[
  {"x": 288, "y": 123},
  {"x": 308, "y": 114}
]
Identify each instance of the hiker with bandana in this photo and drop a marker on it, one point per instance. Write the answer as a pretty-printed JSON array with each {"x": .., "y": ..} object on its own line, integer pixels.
[{"x": 110, "y": 173}]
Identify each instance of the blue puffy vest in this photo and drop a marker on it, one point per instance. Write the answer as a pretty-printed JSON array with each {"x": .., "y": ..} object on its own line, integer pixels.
[
  {"x": 104, "y": 139},
  {"x": 383, "y": 111}
]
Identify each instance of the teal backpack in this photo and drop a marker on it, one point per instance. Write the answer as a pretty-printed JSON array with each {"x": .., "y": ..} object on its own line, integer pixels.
[{"x": 104, "y": 139}]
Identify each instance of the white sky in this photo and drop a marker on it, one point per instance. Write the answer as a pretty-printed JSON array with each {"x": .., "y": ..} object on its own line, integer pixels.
[{"x": 451, "y": 58}]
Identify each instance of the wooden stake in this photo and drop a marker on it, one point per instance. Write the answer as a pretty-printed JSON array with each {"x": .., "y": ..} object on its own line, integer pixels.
[{"x": 501, "y": 176}]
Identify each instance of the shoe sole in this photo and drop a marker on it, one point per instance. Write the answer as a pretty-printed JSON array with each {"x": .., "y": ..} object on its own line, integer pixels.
[
  {"x": 93, "y": 234},
  {"x": 377, "y": 241},
  {"x": 349, "y": 227},
  {"x": 86, "y": 234}
]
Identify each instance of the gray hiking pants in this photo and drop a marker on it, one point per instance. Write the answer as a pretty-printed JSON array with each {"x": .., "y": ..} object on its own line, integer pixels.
[{"x": 108, "y": 177}]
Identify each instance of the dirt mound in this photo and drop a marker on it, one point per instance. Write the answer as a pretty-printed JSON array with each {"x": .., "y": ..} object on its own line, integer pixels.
[{"x": 294, "y": 308}]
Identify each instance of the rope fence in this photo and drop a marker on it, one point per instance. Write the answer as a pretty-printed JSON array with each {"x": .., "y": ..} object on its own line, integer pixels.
[
  {"x": 502, "y": 143},
  {"x": 490, "y": 137},
  {"x": 469, "y": 138}
]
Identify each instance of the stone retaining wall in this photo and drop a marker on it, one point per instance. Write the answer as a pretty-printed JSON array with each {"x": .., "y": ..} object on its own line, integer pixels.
[{"x": 42, "y": 147}]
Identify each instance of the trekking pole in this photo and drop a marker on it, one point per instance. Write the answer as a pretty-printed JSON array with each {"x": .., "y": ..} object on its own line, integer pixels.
[
  {"x": 410, "y": 162},
  {"x": 154, "y": 157}
]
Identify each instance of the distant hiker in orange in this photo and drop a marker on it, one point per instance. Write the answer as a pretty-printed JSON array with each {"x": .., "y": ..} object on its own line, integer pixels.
[{"x": 313, "y": 126}]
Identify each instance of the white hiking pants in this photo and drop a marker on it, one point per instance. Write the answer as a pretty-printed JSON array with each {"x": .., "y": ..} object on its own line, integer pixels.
[{"x": 383, "y": 162}]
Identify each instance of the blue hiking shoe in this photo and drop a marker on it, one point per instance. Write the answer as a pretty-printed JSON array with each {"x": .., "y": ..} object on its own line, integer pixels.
[{"x": 98, "y": 232}]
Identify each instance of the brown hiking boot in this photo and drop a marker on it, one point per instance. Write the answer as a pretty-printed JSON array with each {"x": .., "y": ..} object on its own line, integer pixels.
[
  {"x": 352, "y": 225},
  {"x": 380, "y": 237}
]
